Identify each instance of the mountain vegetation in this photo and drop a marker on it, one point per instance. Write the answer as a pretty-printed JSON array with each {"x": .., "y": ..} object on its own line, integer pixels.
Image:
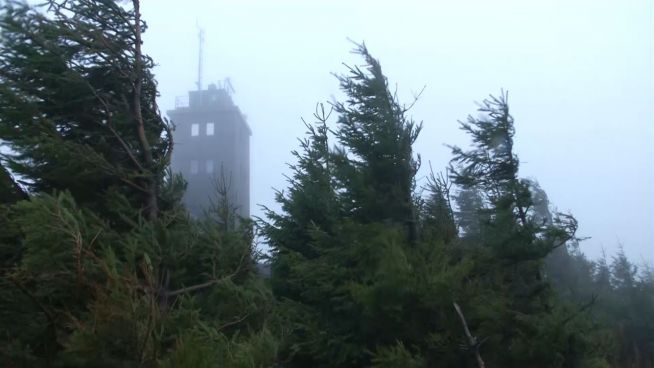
[{"x": 101, "y": 264}]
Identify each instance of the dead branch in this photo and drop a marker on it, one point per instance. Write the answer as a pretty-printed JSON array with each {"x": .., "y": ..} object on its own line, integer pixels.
[
  {"x": 233, "y": 322},
  {"x": 209, "y": 283},
  {"x": 416, "y": 97},
  {"x": 472, "y": 341},
  {"x": 201, "y": 286}
]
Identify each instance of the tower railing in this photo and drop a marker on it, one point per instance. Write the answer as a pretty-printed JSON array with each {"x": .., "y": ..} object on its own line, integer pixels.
[{"x": 181, "y": 101}]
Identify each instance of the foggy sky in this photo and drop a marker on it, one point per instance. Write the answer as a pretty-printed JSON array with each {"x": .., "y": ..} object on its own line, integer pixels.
[{"x": 579, "y": 75}]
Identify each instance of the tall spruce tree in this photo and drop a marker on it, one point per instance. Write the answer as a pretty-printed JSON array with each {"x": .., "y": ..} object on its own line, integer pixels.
[
  {"x": 529, "y": 326},
  {"x": 360, "y": 262},
  {"x": 375, "y": 162}
]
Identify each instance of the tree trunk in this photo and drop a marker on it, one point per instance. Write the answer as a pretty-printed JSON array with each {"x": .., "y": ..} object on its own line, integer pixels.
[{"x": 151, "y": 182}]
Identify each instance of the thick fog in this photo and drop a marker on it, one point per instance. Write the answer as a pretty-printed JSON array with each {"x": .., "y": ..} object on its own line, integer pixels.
[{"x": 579, "y": 75}]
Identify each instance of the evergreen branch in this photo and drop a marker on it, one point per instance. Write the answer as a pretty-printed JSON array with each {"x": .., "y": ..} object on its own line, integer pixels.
[
  {"x": 105, "y": 105},
  {"x": 48, "y": 314},
  {"x": 127, "y": 149},
  {"x": 149, "y": 329},
  {"x": 171, "y": 144},
  {"x": 581, "y": 309},
  {"x": 16, "y": 191}
]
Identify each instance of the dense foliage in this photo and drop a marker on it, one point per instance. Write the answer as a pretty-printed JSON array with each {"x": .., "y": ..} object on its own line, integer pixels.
[
  {"x": 102, "y": 266},
  {"x": 377, "y": 274}
]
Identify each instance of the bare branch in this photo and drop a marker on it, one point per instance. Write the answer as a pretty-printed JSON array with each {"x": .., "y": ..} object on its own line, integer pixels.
[
  {"x": 233, "y": 322},
  {"x": 472, "y": 341},
  {"x": 201, "y": 286},
  {"x": 212, "y": 282},
  {"x": 416, "y": 97}
]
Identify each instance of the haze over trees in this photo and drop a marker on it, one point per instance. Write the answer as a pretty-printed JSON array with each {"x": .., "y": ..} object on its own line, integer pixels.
[{"x": 101, "y": 265}]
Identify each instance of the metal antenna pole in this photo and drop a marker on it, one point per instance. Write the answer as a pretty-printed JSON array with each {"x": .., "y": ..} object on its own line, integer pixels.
[{"x": 200, "y": 56}]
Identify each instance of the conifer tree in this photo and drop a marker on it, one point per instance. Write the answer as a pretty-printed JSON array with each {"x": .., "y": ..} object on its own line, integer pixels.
[
  {"x": 469, "y": 214},
  {"x": 78, "y": 105},
  {"x": 375, "y": 162},
  {"x": 515, "y": 236},
  {"x": 622, "y": 303},
  {"x": 435, "y": 211},
  {"x": 628, "y": 308},
  {"x": 359, "y": 260}
]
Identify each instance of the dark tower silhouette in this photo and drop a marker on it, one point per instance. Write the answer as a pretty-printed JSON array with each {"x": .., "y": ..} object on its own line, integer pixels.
[{"x": 212, "y": 142}]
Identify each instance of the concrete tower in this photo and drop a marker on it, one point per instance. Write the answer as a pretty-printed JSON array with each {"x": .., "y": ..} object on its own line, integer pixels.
[{"x": 212, "y": 141}]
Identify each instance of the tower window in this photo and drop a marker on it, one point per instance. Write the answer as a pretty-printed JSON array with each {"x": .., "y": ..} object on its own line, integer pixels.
[
  {"x": 195, "y": 130},
  {"x": 209, "y": 166},
  {"x": 194, "y": 167},
  {"x": 210, "y": 127}
]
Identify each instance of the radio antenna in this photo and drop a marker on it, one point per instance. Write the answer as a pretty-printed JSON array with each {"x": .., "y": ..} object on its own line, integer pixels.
[{"x": 200, "y": 55}]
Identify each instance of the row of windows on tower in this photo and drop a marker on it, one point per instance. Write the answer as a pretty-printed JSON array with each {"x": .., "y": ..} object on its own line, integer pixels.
[
  {"x": 195, "y": 129},
  {"x": 208, "y": 166}
]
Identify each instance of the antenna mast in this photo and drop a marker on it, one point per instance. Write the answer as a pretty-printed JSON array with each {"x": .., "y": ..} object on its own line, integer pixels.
[{"x": 200, "y": 55}]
